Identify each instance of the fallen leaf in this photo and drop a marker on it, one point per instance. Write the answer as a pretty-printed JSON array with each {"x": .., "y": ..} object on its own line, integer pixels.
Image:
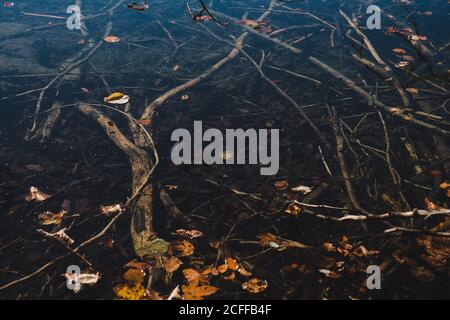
[
  {"x": 302, "y": 189},
  {"x": 137, "y": 292},
  {"x": 82, "y": 279},
  {"x": 48, "y": 217},
  {"x": 402, "y": 64},
  {"x": 151, "y": 248},
  {"x": 134, "y": 276},
  {"x": 111, "y": 39},
  {"x": 191, "y": 274},
  {"x": 412, "y": 90},
  {"x": 243, "y": 271},
  {"x": 182, "y": 248},
  {"x": 185, "y": 97},
  {"x": 193, "y": 291},
  {"x": 444, "y": 185},
  {"x": 399, "y": 51},
  {"x": 222, "y": 268},
  {"x": 172, "y": 264},
  {"x": 111, "y": 209},
  {"x": 232, "y": 264},
  {"x": 408, "y": 58},
  {"x": 281, "y": 184},
  {"x": 191, "y": 234},
  {"x": 117, "y": 98},
  {"x": 144, "y": 122},
  {"x": 293, "y": 209},
  {"x": 140, "y": 265},
  {"x": 36, "y": 195},
  {"x": 255, "y": 285},
  {"x": 270, "y": 240}
]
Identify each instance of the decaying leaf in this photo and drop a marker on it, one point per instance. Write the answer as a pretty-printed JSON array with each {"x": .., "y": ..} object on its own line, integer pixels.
[
  {"x": 36, "y": 195},
  {"x": 243, "y": 271},
  {"x": 48, "y": 217},
  {"x": 172, "y": 264},
  {"x": 136, "y": 292},
  {"x": 141, "y": 265},
  {"x": 222, "y": 268},
  {"x": 182, "y": 248},
  {"x": 302, "y": 189},
  {"x": 255, "y": 285},
  {"x": 293, "y": 209},
  {"x": 111, "y": 209},
  {"x": 281, "y": 184},
  {"x": 117, "y": 98},
  {"x": 210, "y": 270},
  {"x": 79, "y": 280},
  {"x": 134, "y": 276},
  {"x": 191, "y": 234},
  {"x": 270, "y": 240},
  {"x": 151, "y": 248}
]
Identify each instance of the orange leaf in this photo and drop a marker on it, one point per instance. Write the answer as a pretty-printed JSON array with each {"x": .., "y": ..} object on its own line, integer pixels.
[
  {"x": 255, "y": 285},
  {"x": 182, "y": 248},
  {"x": 232, "y": 264},
  {"x": 191, "y": 274},
  {"x": 172, "y": 264}
]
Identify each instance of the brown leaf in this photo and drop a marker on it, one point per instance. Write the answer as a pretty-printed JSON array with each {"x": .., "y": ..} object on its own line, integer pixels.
[
  {"x": 172, "y": 264},
  {"x": 281, "y": 184},
  {"x": 140, "y": 265},
  {"x": 191, "y": 274},
  {"x": 255, "y": 285},
  {"x": 48, "y": 217},
  {"x": 182, "y": 248},
  {"x": 191, "y": 234},
  {"x": 193, "y": 291},
  {"x": 134, "y": 276}
]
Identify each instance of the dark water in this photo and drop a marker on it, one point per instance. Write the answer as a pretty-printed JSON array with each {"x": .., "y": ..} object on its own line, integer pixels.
[{"x": 161, "y": 48}]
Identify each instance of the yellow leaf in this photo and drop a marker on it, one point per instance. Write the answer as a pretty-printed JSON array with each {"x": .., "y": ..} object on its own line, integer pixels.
[
  {"x": 137, "y": 292},
  {"x": 182, "y": 248}
]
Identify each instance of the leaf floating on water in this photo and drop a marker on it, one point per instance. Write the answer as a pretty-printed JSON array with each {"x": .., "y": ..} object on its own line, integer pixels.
[
  {"x": 111, "y": 39},
  {"x": 111, "y": 209},
  {"x": 151, "y": 249},
  {"x": 48, "y": 217},
  {"x": 172, "y": 264},
  {"x": 117, "y": 98},
  {"x": 281, "y": 184},
  {"x": 82, "y": 279},
  {"x": 415, "y": 38},
  {"x": 134, "y": 276},
  {"x": 302, "y": 189},
  {"x": 182, "y": 248},
  {"x": 255, "y": 285},
  {"x": 270, "y": 240},
  {"x": 36, "y": 195},
  {"x": 191, "y": 234},
  {"x": 193, "y": 291}
]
